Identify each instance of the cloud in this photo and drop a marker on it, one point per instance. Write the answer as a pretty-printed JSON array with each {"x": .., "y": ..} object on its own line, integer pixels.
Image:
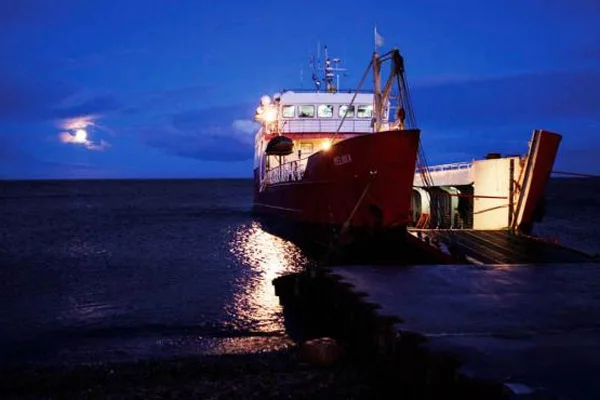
[
  {"x": 245, "y": 126},
  {"x": 100, "y": 146},
  {"x": 168, "y": 99},
  {"x": 95, "y": 105},
  {"x": 177, "y": 96},
  {"x": 30, "y": 99},
  {"x": 213, "y": 134},
  {"x": 521, "y": 99},
  {"x": 98, "y": 60},
  {"x": 77, "y": 133},
  {"x": 77, "y": 139},
  {"x": 78, "y": 122},
  {"x": 26, "y": 100},
  {"x": 68, "y": 137}
]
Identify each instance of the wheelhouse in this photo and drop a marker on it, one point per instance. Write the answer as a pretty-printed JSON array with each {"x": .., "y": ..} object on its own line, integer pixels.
[{"x": 315, "y": 120}]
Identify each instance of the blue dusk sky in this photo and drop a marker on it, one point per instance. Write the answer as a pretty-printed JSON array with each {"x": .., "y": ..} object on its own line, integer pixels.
[{"x": 167, "y": 89}]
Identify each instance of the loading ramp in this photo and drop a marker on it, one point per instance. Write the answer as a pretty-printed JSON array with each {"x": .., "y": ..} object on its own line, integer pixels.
[{"x": 497, "y": 247}]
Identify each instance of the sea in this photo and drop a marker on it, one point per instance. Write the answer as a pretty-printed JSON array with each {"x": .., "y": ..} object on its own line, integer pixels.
[{"x": 104, "y": 271}]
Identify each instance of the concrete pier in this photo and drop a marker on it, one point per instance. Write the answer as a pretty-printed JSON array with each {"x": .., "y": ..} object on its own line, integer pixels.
[{"x": 530, "y": 327}]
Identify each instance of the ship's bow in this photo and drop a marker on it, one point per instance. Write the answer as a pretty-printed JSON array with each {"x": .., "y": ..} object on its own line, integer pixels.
[{"x": 369, "y": 180}]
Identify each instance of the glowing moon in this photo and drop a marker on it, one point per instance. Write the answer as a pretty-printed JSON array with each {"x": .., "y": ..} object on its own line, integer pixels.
[{"x": 80, "y": 136}]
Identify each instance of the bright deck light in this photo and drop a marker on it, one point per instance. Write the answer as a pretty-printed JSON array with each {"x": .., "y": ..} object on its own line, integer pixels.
[
  {"x": 265, "y": 101},
  {"x": 326, "y": 145},
  {"x": 270, "y": 115}
]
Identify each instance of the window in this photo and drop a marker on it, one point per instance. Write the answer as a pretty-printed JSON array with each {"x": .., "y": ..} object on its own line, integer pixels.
[
  {"x": 306, "y": 148},
  {"x": 306, "y": 111},
  {"x": 348, "y": 110},
  {"x": 325, "y": 111},
  {"x": 365, "y": 111},
  {"x": 288, "y": 111}
]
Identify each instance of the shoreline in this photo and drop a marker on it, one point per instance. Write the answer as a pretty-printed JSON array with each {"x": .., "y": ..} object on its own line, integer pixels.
[
  {"x": 275, "y": 374},
  {"x": 269, "y": 375}
]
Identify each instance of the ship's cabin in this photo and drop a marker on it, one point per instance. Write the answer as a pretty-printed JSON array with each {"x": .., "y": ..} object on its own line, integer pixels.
[
  {"x": 316, "y": 112},
  {"x": 312, "y": 120}
]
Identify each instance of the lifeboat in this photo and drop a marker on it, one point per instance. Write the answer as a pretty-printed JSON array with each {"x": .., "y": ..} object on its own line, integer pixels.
[{"x": 280, "y": 146}]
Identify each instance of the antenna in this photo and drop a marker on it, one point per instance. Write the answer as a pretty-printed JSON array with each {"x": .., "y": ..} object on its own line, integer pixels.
[
  {"x": 313, "y": 62},
  {"x": 331, "y": 67},
  {"x": 330, "y": 70}
]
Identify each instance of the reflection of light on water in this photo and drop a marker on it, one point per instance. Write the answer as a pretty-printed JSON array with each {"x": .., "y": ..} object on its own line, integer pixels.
[
  {"x": 266, "y": 256},
  {"x": 88, "y": 308}
]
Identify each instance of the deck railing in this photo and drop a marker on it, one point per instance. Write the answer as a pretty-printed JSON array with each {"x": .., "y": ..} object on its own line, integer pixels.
[
  {"x": 286, "y": 172},
  {"x": 448, "y": 167},
  {"x": 312, "y": 125},
  {"x": 445, "y": 174}
]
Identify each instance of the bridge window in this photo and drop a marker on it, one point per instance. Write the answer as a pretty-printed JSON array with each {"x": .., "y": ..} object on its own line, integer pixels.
[
  {"x": 325, "y": 111},
  {"x": 306, "y": 111},
  {"x": 288, "y": 111},
  {"x": 347, "y": 110},
  {"x": 365, "y": 111}
]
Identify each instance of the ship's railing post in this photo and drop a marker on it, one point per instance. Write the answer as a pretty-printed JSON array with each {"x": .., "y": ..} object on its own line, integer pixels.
[{"x": 286, "y": 172}]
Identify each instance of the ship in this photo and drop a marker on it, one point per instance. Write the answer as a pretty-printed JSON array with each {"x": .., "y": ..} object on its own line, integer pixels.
[
  {"x": 335, "y": 167},
  {"x": 485, "y": 210}
]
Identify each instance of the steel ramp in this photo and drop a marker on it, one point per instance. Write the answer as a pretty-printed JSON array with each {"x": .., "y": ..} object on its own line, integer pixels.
[{"x": 498, "y": 247}]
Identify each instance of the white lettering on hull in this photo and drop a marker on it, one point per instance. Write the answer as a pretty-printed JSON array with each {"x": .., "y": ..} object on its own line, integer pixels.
[{"x": 341, "y": 160}]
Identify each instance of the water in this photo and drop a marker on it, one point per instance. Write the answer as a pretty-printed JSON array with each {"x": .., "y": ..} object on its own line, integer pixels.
[
  {"x": 573, "y": 214},
  {"x": 113, "y": 270},
  {"x": 99, "y": 271}
]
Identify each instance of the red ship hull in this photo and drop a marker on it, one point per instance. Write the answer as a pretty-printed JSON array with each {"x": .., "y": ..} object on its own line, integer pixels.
[{"x": 363, "y": 183}]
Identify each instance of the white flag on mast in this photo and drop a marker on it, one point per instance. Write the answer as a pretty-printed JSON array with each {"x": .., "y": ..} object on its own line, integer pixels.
[{"x": 378, "y": 39}]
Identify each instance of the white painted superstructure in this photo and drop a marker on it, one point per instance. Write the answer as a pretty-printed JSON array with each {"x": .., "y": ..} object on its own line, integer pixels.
[
  {"x": 494, "y": 194},
  {"x": 492, "y": 187}
]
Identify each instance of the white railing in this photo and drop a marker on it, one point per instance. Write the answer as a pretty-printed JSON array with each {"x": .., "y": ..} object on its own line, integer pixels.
[
  {"x": 325, "y": 125},
  {"x": 450, "y": 167},
  {"x": 447, "y": 174},
  {"x": 287, "y": 172}
]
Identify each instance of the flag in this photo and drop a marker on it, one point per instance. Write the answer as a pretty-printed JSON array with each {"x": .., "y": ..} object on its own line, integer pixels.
[{"x": 378, "y": 39}]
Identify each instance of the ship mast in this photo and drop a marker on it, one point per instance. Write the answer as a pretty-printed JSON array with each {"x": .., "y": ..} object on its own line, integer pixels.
[
  {"x": 382, "y": 96},
  {"x": 331, "y": 70}
]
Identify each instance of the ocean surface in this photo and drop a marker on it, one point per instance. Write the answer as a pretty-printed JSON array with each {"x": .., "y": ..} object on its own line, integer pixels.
[{"x": 104, "y": 271}]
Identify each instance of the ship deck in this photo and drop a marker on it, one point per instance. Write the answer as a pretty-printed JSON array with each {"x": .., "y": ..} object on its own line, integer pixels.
[{"x": 500, "y": 247}]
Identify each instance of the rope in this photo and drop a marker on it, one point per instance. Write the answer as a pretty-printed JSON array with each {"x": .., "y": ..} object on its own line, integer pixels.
[
  {"x": 346, "y": 224},
  {"x": 411, "y": 112},
  {"x": 362, "y": 80}
]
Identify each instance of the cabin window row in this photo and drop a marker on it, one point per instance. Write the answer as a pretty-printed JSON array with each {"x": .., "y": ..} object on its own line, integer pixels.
[{"x": 327, "y": 111}]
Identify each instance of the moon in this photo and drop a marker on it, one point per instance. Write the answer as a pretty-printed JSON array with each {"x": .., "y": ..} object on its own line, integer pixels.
[{"x": 80, "y": 136}]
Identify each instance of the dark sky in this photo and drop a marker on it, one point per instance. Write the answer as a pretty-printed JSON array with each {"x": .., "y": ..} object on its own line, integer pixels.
[{"x": 168, "y": 88}]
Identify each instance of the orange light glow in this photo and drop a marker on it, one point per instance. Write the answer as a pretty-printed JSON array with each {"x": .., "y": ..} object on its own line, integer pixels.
[
  {"x": 267, "y": 257},
  {"x": 326, "y": 145}
]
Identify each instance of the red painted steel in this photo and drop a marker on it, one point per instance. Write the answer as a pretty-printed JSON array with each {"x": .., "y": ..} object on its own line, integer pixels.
[{"x": 377, "y": 168}]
